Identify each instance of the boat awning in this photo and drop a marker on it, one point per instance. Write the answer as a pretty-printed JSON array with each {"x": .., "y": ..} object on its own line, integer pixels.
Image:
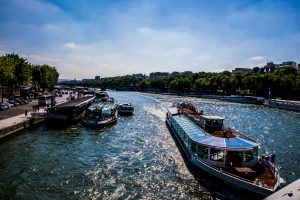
[{"x": 198, "y": 135}]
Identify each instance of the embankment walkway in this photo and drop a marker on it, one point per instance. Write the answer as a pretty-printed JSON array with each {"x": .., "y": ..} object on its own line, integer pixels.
[{"x": 17, "y": 123}]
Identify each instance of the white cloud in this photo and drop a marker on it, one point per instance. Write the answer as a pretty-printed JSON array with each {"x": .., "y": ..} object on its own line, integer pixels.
[
  {"x": 71, "y": 45},
  {"x": 39, "y": 59},
  {"x": 257, "y": 58},
  {"x": 41, "y": 7}
]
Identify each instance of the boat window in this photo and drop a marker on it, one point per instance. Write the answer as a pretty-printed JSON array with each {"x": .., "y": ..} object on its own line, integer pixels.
[
  {"x": 248, "y": 156},
  {"x": 185, "y": 138},
  {"x": 236, "y": 157},
  {"x": 217, "y": 123},
  {"x": 216, "y": 154},
  {"x": 193, "y": 146},
  {"x": 202, "y": 121},
  {"x": 202, "y": 151}
]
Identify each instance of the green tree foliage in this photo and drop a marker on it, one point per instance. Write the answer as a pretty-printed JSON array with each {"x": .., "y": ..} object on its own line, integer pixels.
[
  {"x": 144, "y": 85},
  {"x": 15, "y": 70},
  {"x": 6, "y": 72},
  {"x": 49, "y": 77},
  {"x": 284, "y": 83},
  {"x": 22, "y": 70}
]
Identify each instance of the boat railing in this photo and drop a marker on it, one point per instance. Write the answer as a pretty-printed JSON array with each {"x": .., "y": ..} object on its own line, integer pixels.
[
  {"x": 223, "y": 170},
  {"x": 270, "y": 165},
  {"x": 237, "y": 133}
]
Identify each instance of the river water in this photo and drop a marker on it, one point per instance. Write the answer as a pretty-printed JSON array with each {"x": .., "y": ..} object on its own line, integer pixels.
[{"x": 137, "y": 158}]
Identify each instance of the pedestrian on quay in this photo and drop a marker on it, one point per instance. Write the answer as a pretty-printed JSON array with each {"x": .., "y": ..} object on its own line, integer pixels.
[{"x": 26, "y": 113}]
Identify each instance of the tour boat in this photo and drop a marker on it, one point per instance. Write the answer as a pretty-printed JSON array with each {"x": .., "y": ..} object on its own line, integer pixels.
[
  {"x": 222, "y": 152},
  {"x": 101, "y": 113},
  {"x": 126, "y": 109}
]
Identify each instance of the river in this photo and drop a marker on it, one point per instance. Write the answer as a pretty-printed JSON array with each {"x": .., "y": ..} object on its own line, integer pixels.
[{"x": 137, "y": 158}]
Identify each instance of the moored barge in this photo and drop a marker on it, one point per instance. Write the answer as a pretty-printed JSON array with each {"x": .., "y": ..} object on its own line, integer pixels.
[
  {"x": 101, "y": 113},
  {"x": 226, "y": 154},
  {"x": 68, "y": 112}
]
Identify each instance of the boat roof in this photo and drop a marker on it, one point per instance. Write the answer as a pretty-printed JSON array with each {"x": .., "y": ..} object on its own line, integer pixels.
[
  {"x": 76, "y": 102},
  {"x": 211, "y": 117},
  {"x": 173, "y": 110},
  {"x": 200, "y": 136}
]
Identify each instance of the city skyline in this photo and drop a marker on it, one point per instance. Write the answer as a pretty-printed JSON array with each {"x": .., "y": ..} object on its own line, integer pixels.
[{"x": 112, "y": 38}]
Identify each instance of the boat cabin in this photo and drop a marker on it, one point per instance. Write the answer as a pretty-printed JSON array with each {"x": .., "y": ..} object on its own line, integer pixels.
[
  {"x": 214, "y": 123},
  {"x": 217, "y": 151}
]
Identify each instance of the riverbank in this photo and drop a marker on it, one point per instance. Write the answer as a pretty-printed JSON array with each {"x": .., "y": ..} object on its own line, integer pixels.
[
  {"x": 272, "y": 103},
  {"x": 16, "y": 124}
]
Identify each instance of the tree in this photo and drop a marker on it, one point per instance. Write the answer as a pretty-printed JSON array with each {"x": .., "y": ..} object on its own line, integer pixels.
[
  {"x": 6, "y": 72},
  {"x": 144, "y": 85},
  {"x": 22, "y": 70},
  {"x": 256, "y": 70},
  {"x": 202, "y": 84},
  {"x": 49, "y": 77}
]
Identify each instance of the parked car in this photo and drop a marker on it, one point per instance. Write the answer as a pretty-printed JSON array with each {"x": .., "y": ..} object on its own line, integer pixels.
[
  {"x": 19, "y": 101},
  {"x": 9, "y": 104},
  {"x": 26, "y": 101},
  {"x": 14, "y": 103},
  {"x": 3, "y": 106}
]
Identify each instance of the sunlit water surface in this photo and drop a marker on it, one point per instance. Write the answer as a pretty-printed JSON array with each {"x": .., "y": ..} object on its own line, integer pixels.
[{"x": 137, "y": 158}]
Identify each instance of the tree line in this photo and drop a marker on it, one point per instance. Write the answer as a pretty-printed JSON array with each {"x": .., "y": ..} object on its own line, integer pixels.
[
  {"x": 16, "y": 71},
  {"x": 284, "y": 83}
]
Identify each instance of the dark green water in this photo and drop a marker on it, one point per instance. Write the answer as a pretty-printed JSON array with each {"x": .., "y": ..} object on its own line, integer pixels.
[{"x": 137, "y": 158}]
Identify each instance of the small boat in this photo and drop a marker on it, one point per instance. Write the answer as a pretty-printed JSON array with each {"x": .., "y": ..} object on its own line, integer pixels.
[
  {"x": 222, "y": 152},
  {"x": 126, "y": 109},
  {"x": 101, "y": 113}
]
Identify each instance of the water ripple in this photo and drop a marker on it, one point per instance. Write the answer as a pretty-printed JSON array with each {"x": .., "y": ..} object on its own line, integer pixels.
[{"x": 137, "y": 158}]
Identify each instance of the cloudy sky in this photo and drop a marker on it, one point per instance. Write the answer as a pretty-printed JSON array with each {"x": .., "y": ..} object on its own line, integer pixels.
[{"x": 116, "y": 37}]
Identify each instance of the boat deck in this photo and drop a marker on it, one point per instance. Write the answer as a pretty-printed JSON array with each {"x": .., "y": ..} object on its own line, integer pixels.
[
  {"x": 259, "y": 175},
  {"x": 195, "y": 116}
]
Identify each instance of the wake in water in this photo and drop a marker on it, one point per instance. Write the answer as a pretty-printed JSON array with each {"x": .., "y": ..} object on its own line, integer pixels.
[{"x": 154, "y": 111}]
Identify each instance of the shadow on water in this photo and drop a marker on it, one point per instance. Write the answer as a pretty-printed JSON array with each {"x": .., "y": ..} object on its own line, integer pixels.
[
  {"x": 59, "y": 126},
  {"x": 218, "y": 188}
]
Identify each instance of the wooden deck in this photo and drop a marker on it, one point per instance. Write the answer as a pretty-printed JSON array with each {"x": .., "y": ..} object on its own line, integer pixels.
[{"x": 258, "y": 175}]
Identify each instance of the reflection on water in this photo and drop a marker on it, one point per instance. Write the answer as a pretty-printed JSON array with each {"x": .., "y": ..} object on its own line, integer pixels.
[{"x": 137, "y": 158}]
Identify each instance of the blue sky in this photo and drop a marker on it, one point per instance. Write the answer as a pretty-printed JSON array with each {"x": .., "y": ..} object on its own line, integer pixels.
[{"x": 116, "y": 37}]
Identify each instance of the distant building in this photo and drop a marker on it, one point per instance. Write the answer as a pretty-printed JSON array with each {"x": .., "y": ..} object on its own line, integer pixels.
[
  {"x": 186, "y": 72},
  {"x": 289, "y": 63},
  {"x": 158, "y": 74},
  {"x": 270, "y": 67},
  {"x": 140, "y": 75},
  {"x": 175, "y": 73},
  {"x": 97, "y": 77},
  {"x": 237, "y": 71}
]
